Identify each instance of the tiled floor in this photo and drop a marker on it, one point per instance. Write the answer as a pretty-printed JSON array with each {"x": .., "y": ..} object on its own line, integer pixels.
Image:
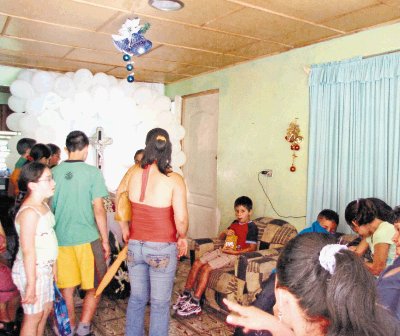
[{"x": 110, "y": 316}]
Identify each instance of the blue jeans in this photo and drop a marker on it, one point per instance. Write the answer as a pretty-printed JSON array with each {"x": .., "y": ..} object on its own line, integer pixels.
[{"x": 152, "y": 268}]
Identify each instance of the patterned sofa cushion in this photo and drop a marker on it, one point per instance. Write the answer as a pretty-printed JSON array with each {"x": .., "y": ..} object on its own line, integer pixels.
[
  {"x": 200, "y": 246},
  {"x": 278, "y": 235},
  {"x": 224, "y": 284}
]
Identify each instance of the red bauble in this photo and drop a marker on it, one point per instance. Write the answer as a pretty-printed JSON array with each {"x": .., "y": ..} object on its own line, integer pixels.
[
  {"x": 292, "y": 147},
  {"x": 292, "y": 169},
  {"x": 296, "y": 147}
]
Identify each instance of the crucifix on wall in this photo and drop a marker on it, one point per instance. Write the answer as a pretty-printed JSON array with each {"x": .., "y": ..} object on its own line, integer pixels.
[{"x": 99, "y": 142}]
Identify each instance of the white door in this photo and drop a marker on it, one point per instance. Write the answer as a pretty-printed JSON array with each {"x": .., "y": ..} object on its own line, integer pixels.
[{"x": 200, "y": 120}]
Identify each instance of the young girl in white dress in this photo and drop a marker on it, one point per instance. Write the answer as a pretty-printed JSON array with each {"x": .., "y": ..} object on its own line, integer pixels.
[{"x": 34, "y": 267}]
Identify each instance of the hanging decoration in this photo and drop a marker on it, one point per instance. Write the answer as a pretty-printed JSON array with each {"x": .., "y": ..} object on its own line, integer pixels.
[
  {"x": 131, "y": 42},
  {"x": 294, "y": 138}
]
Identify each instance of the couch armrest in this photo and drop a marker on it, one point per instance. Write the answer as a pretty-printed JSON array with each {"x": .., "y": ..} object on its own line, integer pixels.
[
  {"x": 202, "y": 245},
  {"x": 253, "y": 261}
]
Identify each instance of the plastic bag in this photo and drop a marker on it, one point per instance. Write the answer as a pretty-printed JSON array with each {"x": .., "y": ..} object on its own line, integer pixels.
[
  {"x": 61, "y": 313},
  {"x": 231, "y": 242}
]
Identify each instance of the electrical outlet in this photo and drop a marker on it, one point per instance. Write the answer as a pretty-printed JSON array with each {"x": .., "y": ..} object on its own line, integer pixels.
[{"x": 267, "y": 172}]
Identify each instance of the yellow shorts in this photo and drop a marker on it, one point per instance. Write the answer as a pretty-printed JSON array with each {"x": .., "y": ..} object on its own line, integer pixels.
[{"x": 82, "y": 265}]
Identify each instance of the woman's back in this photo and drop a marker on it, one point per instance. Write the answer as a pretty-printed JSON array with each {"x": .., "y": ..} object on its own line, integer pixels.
[{"x": 156, "y": 190}]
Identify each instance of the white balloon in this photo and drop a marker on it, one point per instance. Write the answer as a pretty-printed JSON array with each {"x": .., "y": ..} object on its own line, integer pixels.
[
  {"x": 55, "y": 74},
  {"x": 147, "y": 114},
  {"x": 143, "y": 95},
  {"x": 162, "y": 103},
  {"x": 101, "y": 79},
  {"x": 64, "y": 86},
  {"x": 35, "y": 105},
  {"x": 99, "y": 93},
  {"x": 17, "y": 104},
  {"x": 178, "y": 159},
  {"x": 45, "y": 134},
  {"x": 49, "y": 118},
  {"x": 176, "y": 147},
  {"x": 26, "y": 75},
  {"x": 106, "y": 111},
  {"x": 112, "y": 80},
  {"x": 28, "y": 123},
  {"x": 70, "y": 74},
  {"x": 116, "y": 94},
  {"x": 127, "y": 88},
  {"x": 12, "y": 121},
  {"x": 52, "y": 101},
  {"x": 83, "y": 103},
  {"x": 42, "y": 81},
  {"x": 66, "y": 109},
  {"x": 22, "y": 89},
  {"x": 83, "y": 79},
  {"x": 164, "y": 118},
  {"x": 179, "y": 133},
  {"x": 86, "y": 125}
]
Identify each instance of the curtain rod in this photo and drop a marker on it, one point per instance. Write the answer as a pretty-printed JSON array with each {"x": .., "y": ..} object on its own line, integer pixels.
[
  {"x": 307, "y": 68},
  {"x": 381, "y": 54}
]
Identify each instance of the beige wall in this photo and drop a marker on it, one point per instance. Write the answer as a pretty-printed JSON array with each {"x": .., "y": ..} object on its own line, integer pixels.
[{"x": 258, "y": 100}]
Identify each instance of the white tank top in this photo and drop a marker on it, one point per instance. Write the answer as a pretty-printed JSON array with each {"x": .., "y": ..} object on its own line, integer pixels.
[{"x": 46, "y": 245}]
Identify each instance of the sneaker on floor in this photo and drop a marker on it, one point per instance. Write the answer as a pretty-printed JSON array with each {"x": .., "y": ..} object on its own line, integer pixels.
[
  {"x": 189, "y": 308},
  {"x": 182, "y": 298}
]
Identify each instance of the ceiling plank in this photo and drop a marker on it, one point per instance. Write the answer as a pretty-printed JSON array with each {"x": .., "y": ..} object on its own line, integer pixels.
[
  {"x": 315, "y": 11},
  {"x": 245, "y": 4},
  {"x": 366, "y": 17},
  {"x": 35, "y": 47}
]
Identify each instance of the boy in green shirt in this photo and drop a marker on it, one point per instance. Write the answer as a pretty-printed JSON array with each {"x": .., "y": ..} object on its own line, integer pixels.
[{"x": 81, "y": 229}]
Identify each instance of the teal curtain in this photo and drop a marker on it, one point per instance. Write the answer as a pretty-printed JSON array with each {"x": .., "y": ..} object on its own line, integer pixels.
[{"x": 354, "y": 139}]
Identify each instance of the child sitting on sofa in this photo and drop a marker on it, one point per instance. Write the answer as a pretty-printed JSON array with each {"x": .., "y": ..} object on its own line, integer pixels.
[{"x": 246, "y": 231}]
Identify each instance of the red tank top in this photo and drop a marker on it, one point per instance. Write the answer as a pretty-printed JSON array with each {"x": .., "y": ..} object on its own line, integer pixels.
[{"x": 151, "y": 223}]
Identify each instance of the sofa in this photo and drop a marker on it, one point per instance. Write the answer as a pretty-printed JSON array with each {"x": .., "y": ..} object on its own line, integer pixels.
[{"x": 243, "y": 282}]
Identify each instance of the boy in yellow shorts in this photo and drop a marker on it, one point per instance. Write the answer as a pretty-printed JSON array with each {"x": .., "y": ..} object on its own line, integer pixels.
[{"x": 80, "y": 218}]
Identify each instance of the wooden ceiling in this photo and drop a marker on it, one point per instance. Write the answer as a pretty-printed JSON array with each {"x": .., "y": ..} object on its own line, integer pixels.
[{"x": 206, "y": 35}]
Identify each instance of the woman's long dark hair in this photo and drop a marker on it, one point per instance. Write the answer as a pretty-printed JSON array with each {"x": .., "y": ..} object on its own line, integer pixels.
[
  {"x": 344, "y": 302},
  {"x": 365, "y": 210},
  {"x": 158, "y": 149}
]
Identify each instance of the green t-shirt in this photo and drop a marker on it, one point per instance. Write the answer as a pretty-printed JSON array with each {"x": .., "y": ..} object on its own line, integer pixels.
[
  {"x": 21, "y": 161},
  {"x": 77, "y": 185},
  {"x": 384, "y": 234}
]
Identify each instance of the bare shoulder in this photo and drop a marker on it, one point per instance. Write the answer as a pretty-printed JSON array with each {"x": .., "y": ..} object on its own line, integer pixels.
[
  {"x": 27, "y": 215},
  {"x": 176, "y": 178}
]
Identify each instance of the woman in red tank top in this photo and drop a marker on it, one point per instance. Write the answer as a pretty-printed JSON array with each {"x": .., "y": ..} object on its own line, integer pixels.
[{"x": 156, "y": 234}]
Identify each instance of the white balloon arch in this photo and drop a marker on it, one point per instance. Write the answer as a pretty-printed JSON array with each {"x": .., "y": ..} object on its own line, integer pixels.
[{"x": 48, "y": 105}]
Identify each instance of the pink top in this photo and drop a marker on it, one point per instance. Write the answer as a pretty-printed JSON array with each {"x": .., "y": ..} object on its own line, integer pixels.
[{"x": 151, "y": 223}]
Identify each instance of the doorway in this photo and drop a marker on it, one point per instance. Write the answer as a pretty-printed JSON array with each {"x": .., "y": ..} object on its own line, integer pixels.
[{"x": 200, "y": 120}]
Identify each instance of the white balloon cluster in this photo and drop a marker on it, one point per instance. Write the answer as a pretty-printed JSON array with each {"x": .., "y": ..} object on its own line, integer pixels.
[{"x": 48, "y": 105}]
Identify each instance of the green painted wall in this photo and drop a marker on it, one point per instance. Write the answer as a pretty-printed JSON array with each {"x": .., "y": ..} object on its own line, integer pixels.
[
  {"x": 7, "y": 76},
  {"x": 257, "y": 102}
]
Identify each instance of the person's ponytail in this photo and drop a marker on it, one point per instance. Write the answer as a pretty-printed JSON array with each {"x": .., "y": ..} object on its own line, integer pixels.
[{"x": 158, "y": 149}]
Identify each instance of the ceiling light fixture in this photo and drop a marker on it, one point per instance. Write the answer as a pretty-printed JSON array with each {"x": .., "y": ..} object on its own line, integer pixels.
[{"x": 166, "y": 5}]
